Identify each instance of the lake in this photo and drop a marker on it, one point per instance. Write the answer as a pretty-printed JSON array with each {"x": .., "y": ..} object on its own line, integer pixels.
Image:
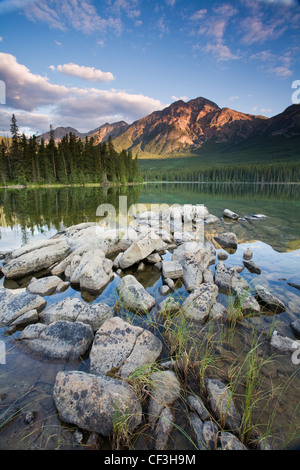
[{"x": 27, "y": 214}]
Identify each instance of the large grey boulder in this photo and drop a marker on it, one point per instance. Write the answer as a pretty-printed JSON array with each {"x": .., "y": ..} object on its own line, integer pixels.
[
  {"x": 222, "y": 404},
  {"x": 284, "y": 343},
  {"x": 141, "y": 249},
  {"x": 14, "y": 304},
  {"x": 72, "y": 309},
  {"x": 96, "y": 403},
  {"x": 120, "y": 348},
  {"x": 195, "y": 258},
  {"x": 134, "y": 296},
  {"x": 61, "y": 341},
  {"x": 92, "y": 272},
  {"x": 198, "y": 304},
  {"x": 39, "y": 257},
  {"x": 44, "y": 286}
]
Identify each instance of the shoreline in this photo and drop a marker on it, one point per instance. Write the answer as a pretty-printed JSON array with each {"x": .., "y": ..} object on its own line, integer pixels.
[{"x": 98, "y": 185}]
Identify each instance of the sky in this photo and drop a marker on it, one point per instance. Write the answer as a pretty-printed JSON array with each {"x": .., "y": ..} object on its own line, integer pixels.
[{"x": 82, "y": 63}]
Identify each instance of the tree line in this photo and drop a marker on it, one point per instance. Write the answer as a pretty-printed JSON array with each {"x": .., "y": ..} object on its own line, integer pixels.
[
  {"x": 260, "y": 173},
  {"x": 70, "y": 161}
]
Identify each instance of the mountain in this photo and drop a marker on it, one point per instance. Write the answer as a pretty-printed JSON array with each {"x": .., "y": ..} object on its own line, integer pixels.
[
  {"x": 101, "y": 134},
  {"x": 183, "y": 126},
  {"x": 59, "y": 133},
  {"x": 190, "y": 126}
]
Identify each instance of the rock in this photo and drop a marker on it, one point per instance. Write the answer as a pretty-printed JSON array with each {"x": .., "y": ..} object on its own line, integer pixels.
[
  {"x": 230, "y": 215},
  {"x": 35, "y": 260},
  {"x": 222, "y": 255},
  {"x": 228, "y": 280},
  {"x": 296, "y": 328},
  {"x": 120, "y": 348},
  {"x": 73, "y": 309},
  {"x": 164, "y": 290},
  {"x": 117, "y": 260},
  {"x": 283, "y": 343},
  {"x": 164, "y": 391},
  {"x": 198, "y": 304},
  {"x": 62, "y": 287},
  {"x": 222, "y": 404},
  {"x": 227, "y": 240},
  {"x": 247, "y": 254},
  {"x": 229, "y": 441},
  {"x": 208, "y": 276},
  {"x": 134, "y": 296},
  {"x": 61, "y": 341},
  {"x": 44, "y": 286},
  {"x": 197, "y": 427},
  {"x": 292, "y": 284},
  {"x": 269, "y": 300},
  {"x": 252, "y": 267},
  {"x": 218, "y": 312},
  {"x": 14, "y": 304},
  {"x": 246, "y": 302},
  {"x": 163, "y": 429},
  {"x": 96, "y": 403},
  {"x": 197, "y": 405},
  {"x": 141, "y": 267},
  {"x": 29, "y": 417},
  {"x": 172, "y": 269},
  {"x": 211, "y": 219},
  {"x": 141, "y": 249},
  {"x": 169, "y": 306},
  {"x": 210, "y": 432},
  {"x": 170, "y": 283},
  {"x": 29, "y": 317},
  {"x": 195, "y": 258},
  {"x": 93, "y": 272},
  {"x": 154, "y": 258}
]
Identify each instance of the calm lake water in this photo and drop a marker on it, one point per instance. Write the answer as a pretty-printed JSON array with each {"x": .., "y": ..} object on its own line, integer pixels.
[{"x": 27, "y": 214}]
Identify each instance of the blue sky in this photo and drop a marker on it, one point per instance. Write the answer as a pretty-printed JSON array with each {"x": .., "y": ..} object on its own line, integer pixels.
[{"x": 82, "y": 63}]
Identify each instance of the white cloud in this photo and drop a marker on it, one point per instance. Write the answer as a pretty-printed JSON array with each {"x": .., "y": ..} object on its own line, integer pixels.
[
  {"x": 1, "y": 38},
  {"x": 176, "y": 98},
  {"x": 24, "y": 89},
  {"x": 85, "y": 73},
  {"x": 35, "y": 98},
  {"x": 233, "y": 98},
  {"x": 221, "y": 52},
  {"x": 275, "y": 64},
  {"x": 198, "y": 15},
  {"x": 81, "y": 16}
]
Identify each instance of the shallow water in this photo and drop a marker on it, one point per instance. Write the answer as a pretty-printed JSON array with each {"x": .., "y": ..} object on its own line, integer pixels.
[{"x": 26, "y": 384}]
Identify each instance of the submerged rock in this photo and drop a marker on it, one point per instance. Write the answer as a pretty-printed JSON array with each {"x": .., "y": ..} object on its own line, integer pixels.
[
  {"x": 96, "y": 403},
  {"x": 269, "y": 300},
  {"x": 61, "y": 341},
  {"x": 228, "y": 280},
  {"x": 222, "y": 404},
  {"x": 14, "y": 304},
  {"x": 164, "y": 391},
  {"x": 252, "y": 267},
  {"x": 227, "y": 240},
  {"x": 134, "y": 296}
]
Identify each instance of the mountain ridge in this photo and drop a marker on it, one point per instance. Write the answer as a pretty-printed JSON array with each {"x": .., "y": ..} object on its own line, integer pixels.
[{"x": 188, "y": 125}]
